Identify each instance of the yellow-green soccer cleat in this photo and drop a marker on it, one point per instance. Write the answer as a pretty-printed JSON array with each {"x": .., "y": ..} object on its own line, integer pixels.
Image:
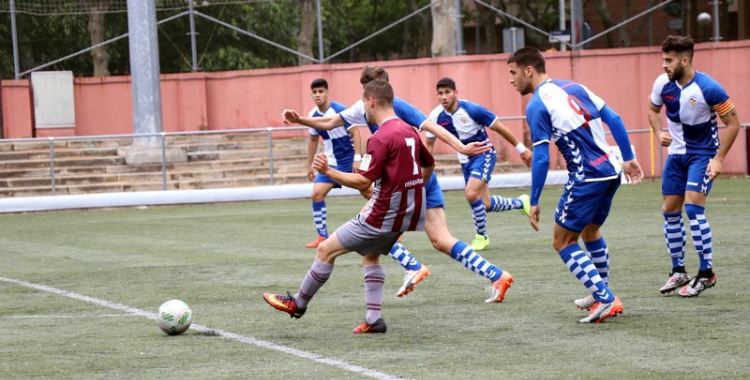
[
  {"x": 480, "y": 242},
  {"x": 526, "y": 204}
]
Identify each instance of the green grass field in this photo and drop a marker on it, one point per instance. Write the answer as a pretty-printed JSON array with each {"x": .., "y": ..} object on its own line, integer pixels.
[{"x": 220, "y": 258}]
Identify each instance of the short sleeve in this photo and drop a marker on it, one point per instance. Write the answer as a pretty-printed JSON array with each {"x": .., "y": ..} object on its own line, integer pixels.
[
  {"x": 377, "y": 153},
  {"x": 355, "y": 114},
  {"x": 408, "y": 113},
  {"x": 477, "y": 112},
  {"x": 539, "y": 121},
  {"x": 659, "y": 83}
]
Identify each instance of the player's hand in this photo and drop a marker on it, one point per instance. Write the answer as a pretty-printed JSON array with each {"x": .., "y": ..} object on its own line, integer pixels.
[
  {"x": 290, "y": 116},
  {"x": 477, "y": 147},
  {"x": 355, "y": 166},
  {"x": 534, "y": 214},
  {"x": 311, "y": 174},
  {"x": 633, "y": 171},
  {"x": 526, "y": 157},
  {"x": 320, "y": 163},
  {"x": 714, "y": 168},
  {"x": 664, "y": 138}
]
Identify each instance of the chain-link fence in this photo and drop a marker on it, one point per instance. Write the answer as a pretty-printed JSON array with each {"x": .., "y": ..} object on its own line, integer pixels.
[{"x": 89, "y": 37}]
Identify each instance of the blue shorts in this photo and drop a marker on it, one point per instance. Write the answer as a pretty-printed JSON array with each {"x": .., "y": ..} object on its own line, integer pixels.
[
  {"x": 434, "y": 193},
  {"x": 480, "y": 166},
  {"x": 584, "y": 203},
  {"x": 686, "y": 172},
  {"x": 322, "y": 178}
]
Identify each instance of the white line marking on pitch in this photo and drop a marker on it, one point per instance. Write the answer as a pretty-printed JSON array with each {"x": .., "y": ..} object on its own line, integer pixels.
[
  {"x": 204, "y": 329},
  {"x": 55, "y": 316}
]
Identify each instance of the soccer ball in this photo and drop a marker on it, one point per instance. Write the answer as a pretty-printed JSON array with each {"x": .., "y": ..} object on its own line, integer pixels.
[{"x": 174, "y": 317}]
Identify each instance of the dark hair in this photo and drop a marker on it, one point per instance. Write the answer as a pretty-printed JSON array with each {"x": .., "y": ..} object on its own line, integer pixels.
[
  {"x": 528, "y": 56},
  {"x": 320, "y": 82},
  {"x": 371, "y": 73},
  {"x": 380, "y": 90},
  {"x": 682, "y": 45},
  {"x": 446, "y": 82}
]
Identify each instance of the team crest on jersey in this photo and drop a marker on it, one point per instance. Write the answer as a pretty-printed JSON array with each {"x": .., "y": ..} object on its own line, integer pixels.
[
  {"x": 464, "y": 121},
  {"x": 693, "y": 100}
]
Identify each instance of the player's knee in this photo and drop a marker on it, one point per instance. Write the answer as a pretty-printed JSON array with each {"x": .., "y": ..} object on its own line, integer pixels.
[{"x": 318, "y": 196}]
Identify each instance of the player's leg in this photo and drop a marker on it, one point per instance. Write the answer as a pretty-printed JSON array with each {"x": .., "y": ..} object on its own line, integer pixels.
[
  {"x": 296, "y": 305},
  {"x": 415, "y": 270},
  {"x": 577, "y": 206},
  {"x": 475, "y": 188},
  {"x": 596, "y": 247},
  {"x": 674, "y": 180},
  {"x": 321, "y": 187},
  {"x": 697, "y": 189},
  {"x": 437, "y": 231},
  {"x": 374, "y": 288}
]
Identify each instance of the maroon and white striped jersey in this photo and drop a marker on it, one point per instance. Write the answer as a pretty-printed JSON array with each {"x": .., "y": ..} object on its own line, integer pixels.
[{"x": 394, "y": 160}]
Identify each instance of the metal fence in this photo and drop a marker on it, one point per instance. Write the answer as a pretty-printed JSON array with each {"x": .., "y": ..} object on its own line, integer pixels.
[
  {"x": 90, "y": 37},
  {"x": 656, "y": 153}
]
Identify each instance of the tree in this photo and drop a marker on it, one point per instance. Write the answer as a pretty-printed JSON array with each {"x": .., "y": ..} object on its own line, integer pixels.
[
  {"x": 443, "y": 28},
  {"x": 306, "y": 36},
  {"x": 99, "y": 55}
]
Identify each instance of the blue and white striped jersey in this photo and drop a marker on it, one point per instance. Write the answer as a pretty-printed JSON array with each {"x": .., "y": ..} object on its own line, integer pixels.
[
  {"x": 468, "y": 123},
  {"x": 568, "y": 114},
  {"x": 691, "y": 112},
  {"x": 339, "y": 146},
  {"x": 405, "y": 111}
]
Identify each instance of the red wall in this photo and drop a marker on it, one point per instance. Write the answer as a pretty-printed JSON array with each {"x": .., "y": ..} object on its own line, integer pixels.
[{"x": 255, "y": 98}]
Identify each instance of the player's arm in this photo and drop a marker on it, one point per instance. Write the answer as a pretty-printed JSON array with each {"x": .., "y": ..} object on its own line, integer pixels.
[
  {"x": 472, "y": 149},
  {"x": 312, "y": 148},
  {"x": 357, "y": 141},
  {"x": 426, "y": 160},
  {"x": 508, "y": 135},
  {"x": 320, "y": 123},
  {"x": 429, "y": 142},
  {"x": 732, "y": 121},
  {"x": 654, "y": 119},
  {"x": 353, "y": 180},
  {"x": 539, "y": 171},
  {"x": 632, "y": 168}
]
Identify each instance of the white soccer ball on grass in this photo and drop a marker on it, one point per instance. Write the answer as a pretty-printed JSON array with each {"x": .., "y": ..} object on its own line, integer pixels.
[{"x": 174, "y": 317}]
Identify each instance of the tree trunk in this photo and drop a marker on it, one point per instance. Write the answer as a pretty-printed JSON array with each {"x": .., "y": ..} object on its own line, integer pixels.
[
  {"x": 99, "y": 55},
  {"x": 443, "y": 28},
  {"x": 306, "y": 36}
]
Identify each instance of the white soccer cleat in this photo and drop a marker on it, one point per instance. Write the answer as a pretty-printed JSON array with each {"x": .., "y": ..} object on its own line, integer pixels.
[
  {"x": 675, "y": 281},
  {"x": 603, "y": 311},
  {"x": 411, "y": 279},
  {"x": 585, "y": 303},
  {"x": 697, "y": 286}
]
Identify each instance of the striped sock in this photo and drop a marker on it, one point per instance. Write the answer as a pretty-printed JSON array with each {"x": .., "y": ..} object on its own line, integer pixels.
[
  {"x": 374, "y": 286},
  {"x": 701, "y": 232},
  {"x": 402, "y": 255},
  {"x": 313, "y": 281},
  {"x": 599, "y": 254},
  {"x": 320, "y": 215},
  {"x": 674, "y": 235},
  {"x": 581, "y": 266},
  {"x": 473, "y": 261},
  {"x": 500, "y": 204},
  {"x": 480, "y": 216}
]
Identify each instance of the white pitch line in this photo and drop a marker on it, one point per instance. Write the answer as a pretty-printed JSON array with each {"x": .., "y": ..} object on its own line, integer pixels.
[
  {"x": 204, "y": 329},
  {"x": 55, "y": 316}
]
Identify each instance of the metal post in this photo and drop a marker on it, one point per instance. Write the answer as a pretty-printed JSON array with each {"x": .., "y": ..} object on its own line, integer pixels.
[
  {"x": 320, "y": 30},
  {"x": 561, "y": 11},
  {"x": 576, "y": 23},
  {"x": 52, "y": 163},
  {"x": 270, "y": 153},
  {"x": 164, "y": 160},
  {"x": 193, "y": 44},
  {"x": 459, "y": 29},
  {"x": 14, "y": 36},
  {"x": 144, "y": 70},
  {"x": 717, "y": 37}
]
